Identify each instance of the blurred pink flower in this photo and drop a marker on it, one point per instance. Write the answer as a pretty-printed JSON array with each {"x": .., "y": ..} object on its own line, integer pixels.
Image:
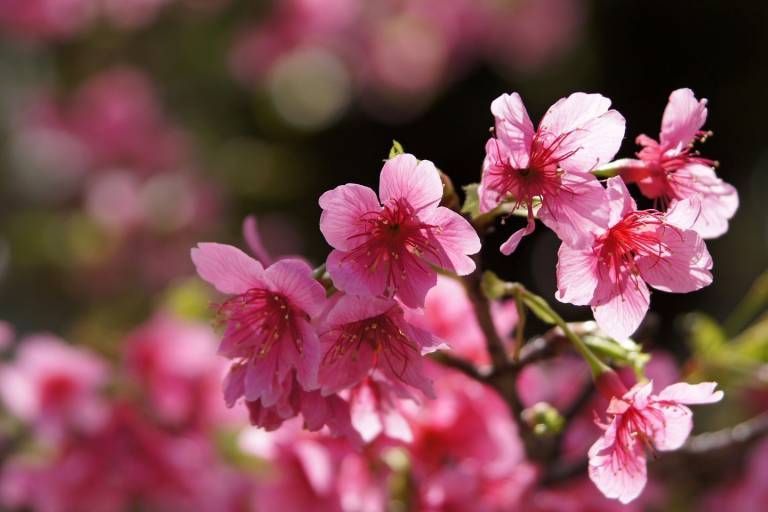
[
  {"x": 390, "y": 249},
  {"x": 449, "y": 315},
  {"x": 670, "y": 170},
  {"x": 360, "y": 335},
  {"x": 581, "y": 496},
  {"x": 267, "y": 320},
  {"x": 551, "y": 164},
  {"x": 375, "y": 409},
  {"x": 176, "y": 362},
  {"x": 54, "y": 385},
  {"x": 45, "y": 19},
  {"x": 466, "y": 454},
  {"x": 748, "y": 492},
  {"x": 635, "y": 249},
  {"x": 640, "y": 420}
]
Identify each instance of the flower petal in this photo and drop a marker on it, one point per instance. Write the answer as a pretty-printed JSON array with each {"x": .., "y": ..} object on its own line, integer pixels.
[
  {"x": 619, "y": 308},
  {"x": 344, "y": 208},
  {"x": 514, "y": 240},
  {"x": 619, "y": 472},
  {"x": 620, "y": 201},
  {"x": 351, "y": 277},
  {"x": 417, "y": 182},
  {"x": 578, "y": 212},
  {"x": 684, "y": 266},
  {"x": 513, "y": 126},
  {"x": 703, "y": 393},
  {"x": 293, "y": 278},
  {"x": 227, "y": 268},
  {"x": 456, "y": 239},
  {"x": 683, "y": 117},
  {"x": 577, "y": 276}
]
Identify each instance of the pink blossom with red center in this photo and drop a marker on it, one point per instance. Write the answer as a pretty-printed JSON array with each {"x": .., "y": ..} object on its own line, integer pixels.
[
  {"x": 638, "y": 421},
  {"x": 389, "y": 248},
  {"x": 54, "y": 385},
  {"x": 636, "y": 249},
  {"x": 267, "y": 329},
  {"x": 551, "y": 165},
  {"x": 360, "y": 335},
  {"x": 671, "y": 170}
]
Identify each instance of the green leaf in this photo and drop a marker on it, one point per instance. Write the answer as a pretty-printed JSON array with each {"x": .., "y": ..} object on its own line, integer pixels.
[
  {"x": 397, "y": 149},
  {"x": 706, "y": 337},
  {"x": 471, "y": 205}
]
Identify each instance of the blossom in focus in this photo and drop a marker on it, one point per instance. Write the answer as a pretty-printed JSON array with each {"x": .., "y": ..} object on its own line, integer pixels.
[
  {"x": 54, "y": 385},
  {"x": 639, "y": 420},
  {"x": 389, "y": 248},
  {"x": 635, "y": 249},
  {"x": 360, "y": 335},
  {"x": 671, "y": 170},
  {"x": 267, "y": 329},
  {"x": 551, "y": 164}
]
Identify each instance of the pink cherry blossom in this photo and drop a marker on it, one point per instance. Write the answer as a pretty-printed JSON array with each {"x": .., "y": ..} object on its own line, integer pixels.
[
  {"x": 638, "y": 420},
  {"x": 551, "y": 164},
  {"x": 448, "y": 314},
  {"x": 360, "y": 335},
  {"x": 375, "y": 409},
  {"x": 635, "y": 250},
  {"x": 54, "y": 385},
  {"x": 390, "y": 249},
  {"x": 175, "y": 362},
  {"x": 670, "y": 170},
  {"x": 267, "y": 332}
]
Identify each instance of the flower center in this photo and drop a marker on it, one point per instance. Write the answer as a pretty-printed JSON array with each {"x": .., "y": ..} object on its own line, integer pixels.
[
  {"x": 387, "y": 341},
  {"x": 258, "y": 318},
  {"x": 394, "y": 237}
]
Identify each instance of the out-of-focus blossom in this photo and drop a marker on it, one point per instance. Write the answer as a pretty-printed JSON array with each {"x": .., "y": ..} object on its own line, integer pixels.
[
  {"x": 551, "y": 165},
  {"x": 466, "y": 454},
  {"x": 390, "y": 249},
  {"x": 124, "y": 463},
  {"x": 54, "y": 386},
  {"x": 46, "y": 19},
  {"x": 634, "y": 250},
  {"x": 640, "y": 420},
  {"x": 360, "y": 335},
  {"x": 267, "y": 320},
  {"x": 748, "y": 492},
  {"x": 176, "y": 362},
  {"x": 313, "y": 472},
  {"x": 671, "y": 170},
  {"x": 581, "y": 496},
  {"x": 449, "y": 315},
  {"x": 375, "y": 409}
]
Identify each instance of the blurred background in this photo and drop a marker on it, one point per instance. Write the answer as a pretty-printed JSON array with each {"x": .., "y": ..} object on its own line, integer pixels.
[{"x": 131, "y": 129}]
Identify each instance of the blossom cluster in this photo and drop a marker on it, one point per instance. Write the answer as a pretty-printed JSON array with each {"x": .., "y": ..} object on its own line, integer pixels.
[{"x": 343, "y": 346}]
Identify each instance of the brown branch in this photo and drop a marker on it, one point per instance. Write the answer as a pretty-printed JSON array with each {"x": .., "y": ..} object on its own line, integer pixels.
[{"x": 457, "y": 363}]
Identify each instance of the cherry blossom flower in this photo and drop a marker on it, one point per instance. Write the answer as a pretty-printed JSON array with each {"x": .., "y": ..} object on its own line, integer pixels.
[
  {"x": 359, "y": 335},
  {"x": 390, "y": 249},
  {"x": 375, "y": 409},
  {"x": 551, "y": 164},
  {"x": 640, "y": 420},
  {"x": 267, "y": 333},
  {"x": 54, "y": 385},
  {"x": 634, "y": 250},
  {"x": 671, "y": 170},
  {"x": 449, "y": 315}
]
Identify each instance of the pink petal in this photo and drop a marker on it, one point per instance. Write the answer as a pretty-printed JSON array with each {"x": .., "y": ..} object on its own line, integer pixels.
[
  {"x": 417, "y": 182},
  {"x": 346, "y": 370},
  {"x": 594, "y": 133},
  {"x": 343, "y": 210},
  {"x": 260, "y": 378},
  {"x": 703, "y": 393},
  {"x": 253, "y": 239},
  {"x": 413, "y": 283},
  {"x": 683, "y": 117},
  {"x": 513, "y": 241},
  {"x": 618, "y": 472},
  {"x": 234, "y": 384},
  {"x": 305, "y": 362},
  {"x": 684, "y": 266},
  {"x": 620, "y": 308},
  {"x": 351, "y": 277},
  {"x": 684, "y": 213},
  {"x": 350, "y": 308},
  {"x": 577, "y": 276},
  {"x": 456, "y": 238},
  {"x": 513, "y": 126},
  {"x": 578, "y": 212},
  {"x": 673, "y": 428},
  {"x": 719, "y": 200},
  {"x": 497, "y": 155},
  {"x": 620, "y": 201},
  {"x": 293, "y": 279},
  {"x": 227, "y": 268}
]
